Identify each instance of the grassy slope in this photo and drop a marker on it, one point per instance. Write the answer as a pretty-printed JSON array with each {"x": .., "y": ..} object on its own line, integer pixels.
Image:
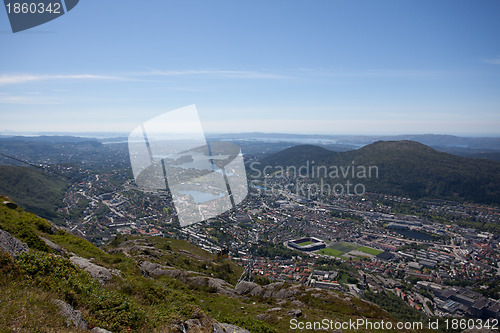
[{"x": 38, "y": 192}]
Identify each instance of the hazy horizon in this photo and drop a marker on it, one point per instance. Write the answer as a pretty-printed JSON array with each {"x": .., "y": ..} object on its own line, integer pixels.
[{"x": 104, "y": 134}]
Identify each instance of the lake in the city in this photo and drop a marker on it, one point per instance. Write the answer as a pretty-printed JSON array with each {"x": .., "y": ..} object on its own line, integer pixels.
[{"x": 201, "y": 197}]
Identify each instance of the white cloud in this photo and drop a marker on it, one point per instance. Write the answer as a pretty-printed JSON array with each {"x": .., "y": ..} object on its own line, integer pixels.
[
  {"x": 494, "y": 61},
  {"x": 221, "y": 73},
  {"x": 374, "y": 73},
  {"x": 35, "y": 99},
  {"x": 23, "y": 78},
  {"x": 10, "y": 79}
]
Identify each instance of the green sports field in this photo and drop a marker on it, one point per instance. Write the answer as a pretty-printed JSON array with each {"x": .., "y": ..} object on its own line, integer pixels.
[
  {"x": 340, "y": 248},
  {"x": 369, "y": 250},
  {"x": 343, "y": 246},
  {"x": 330, "y": 252}
]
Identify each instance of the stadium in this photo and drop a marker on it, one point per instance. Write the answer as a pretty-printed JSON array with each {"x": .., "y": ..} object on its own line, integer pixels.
[{"x": 307, "y": 244}]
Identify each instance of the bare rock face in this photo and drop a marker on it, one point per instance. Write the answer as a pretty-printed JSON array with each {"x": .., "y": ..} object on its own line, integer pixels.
[
  {"x": 191, "y": 278},
  {"x": 298, "y": 304},
  {"x": 200, "y": 322},
  {"x": 274, "y": 310},
  {"x": 73, "y": 317},
  {"x": 262, "y": 317},
  {"x": 151, "y": 269},
  {"x": 101, "y": 274},
  {"x": 52, "y": 245},
  {"x": 233, "y": 328},
  {"x": 11, "y": 245},
  {"x": 99, "y": 330},
  {"x": 275, "y": 290},
  {"x": 245, "y": 287},
  {"x": 295, "y": 313},
  {"x": 256, "y": 291}
]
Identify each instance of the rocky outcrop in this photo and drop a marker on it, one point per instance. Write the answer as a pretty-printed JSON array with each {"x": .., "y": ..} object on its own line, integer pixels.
[
  {"x": 274, "y": 290},
  {"x": 99, "y": 330},
  {"x": 73, "y": 317},
  {"x": 11, "y": 245},
  {"x": 101, "y": 274},
  {"x": 152, "y": 269},
  {"x": 10, "y": 204},
  {"x": 190, "y": 278},
  {"x": 233, "y": 328},
  {"x": 52, "y": 245},
  {"x": 245, "y": 287},
  {"x": 201, "y": 322},
  {"x": 218, "y": 285},
  {"x": 294, "y": 313}
]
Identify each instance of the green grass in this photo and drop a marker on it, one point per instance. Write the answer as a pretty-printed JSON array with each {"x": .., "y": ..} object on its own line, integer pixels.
[
  {"x": 306, "y": 243},
  {"x": 37, "y": 191},
  {"x": 330, "y": 252},
  {"x": 343, "y": 247},
  {"x": 29, "y": 309},
  {"x": 184, "y": 255},
  {"x": 369, "y": 250}
]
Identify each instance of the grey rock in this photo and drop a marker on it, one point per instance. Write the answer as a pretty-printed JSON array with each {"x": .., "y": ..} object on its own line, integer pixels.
[
  {"x": 218, "y": 328},
  {"x": 295, "y": 313},
  {"x": 274, "y": 310},
  {"x": 257, "y": 291},
  {"x": 268, "y": 294},
  {"x": 274, "y": 286},
  {"x": 10, "y": 204},
  {"x": 152, "y": 269},
  {"x": 199, "y": 322},
  {"x": 73, "y": 317},
  {"x": 233, "y": 328},
  {"x": 192, "y": 324},
  {"x": 99, "y": 330},
  {"x": 99, "y": 273},
  {"x": 52, "y": 245},
  {"x": 262, "y": 316},
  {"x": 11, "y": 245},
  {"x": 298, "y": 304},
  {"x": 219, "y": 285},
  {"x": 245, "y": 287},
  {"x": 286, "y": 293}
]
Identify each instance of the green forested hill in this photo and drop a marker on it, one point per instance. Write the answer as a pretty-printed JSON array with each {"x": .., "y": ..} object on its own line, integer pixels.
[
  {"x": 38, "y": 192},
  {"x": 405, "y": 168}
]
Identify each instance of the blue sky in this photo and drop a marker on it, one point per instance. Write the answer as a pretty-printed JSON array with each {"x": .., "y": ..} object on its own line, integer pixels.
[{"x": 330, "y": 67}]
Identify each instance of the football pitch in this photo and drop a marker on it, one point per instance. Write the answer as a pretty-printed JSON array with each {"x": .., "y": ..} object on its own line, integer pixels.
[{"x": 340, "y": 248}]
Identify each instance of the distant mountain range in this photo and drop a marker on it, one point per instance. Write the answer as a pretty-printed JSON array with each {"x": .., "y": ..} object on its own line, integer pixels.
[
  {"x": 474, "y": 147},
  {"x": 405, "y": 168},
  {"x": 442, "y": 140},
  {"x": 258, "y": 144}
]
